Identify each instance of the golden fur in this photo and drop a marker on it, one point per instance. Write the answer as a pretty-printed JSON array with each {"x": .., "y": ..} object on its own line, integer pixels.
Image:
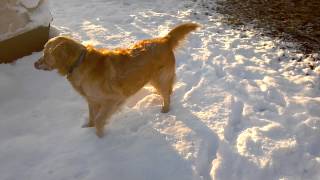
[{"x": 106, "y": 78}]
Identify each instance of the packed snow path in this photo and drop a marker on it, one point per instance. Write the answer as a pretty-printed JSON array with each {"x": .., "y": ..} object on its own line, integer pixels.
[{"x": 240, "y": 110}]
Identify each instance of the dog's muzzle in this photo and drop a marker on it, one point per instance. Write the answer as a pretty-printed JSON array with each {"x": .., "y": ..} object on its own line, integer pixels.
[{"x": 41, "y": 65}]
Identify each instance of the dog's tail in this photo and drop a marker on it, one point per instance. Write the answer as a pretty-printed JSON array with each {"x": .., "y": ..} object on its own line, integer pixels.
[{"x": 179, "y": 33}]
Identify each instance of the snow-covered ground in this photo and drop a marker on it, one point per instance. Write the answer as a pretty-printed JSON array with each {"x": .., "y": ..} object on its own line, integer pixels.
[{"x": 241, "y": 110}]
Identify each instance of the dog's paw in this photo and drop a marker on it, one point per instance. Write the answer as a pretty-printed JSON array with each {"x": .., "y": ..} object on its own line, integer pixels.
[
  {"x": 99, "y": 133},
  {"x": 165, "y": 109},
  {"x": 88, "y": 125}
]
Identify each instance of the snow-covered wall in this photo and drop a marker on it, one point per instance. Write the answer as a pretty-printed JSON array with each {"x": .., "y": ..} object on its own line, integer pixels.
[{"x": 19, "y": 16}]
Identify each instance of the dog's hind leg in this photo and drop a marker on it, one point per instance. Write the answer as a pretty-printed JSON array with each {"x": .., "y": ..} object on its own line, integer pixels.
[
  {"x": 103, "y": 116},
  {"x": 163, "y": 82}
]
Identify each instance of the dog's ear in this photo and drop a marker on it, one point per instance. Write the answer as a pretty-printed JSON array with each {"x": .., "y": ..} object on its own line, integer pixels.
[
  {"x": 64, "y": 52},
  {"x": 60, "y": 51}
]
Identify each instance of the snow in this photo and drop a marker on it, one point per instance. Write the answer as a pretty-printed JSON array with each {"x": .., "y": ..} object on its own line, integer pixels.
[
  {"x": 30, "y": 3},
  {"x": 241, "y": 109},
  {"x": 41, "y": 16}
]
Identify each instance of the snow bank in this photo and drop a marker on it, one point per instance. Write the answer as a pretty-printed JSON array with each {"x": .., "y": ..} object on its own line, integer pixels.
[
  {"x": 240, "y": 110},
  {"x": 30, "y": 14}
]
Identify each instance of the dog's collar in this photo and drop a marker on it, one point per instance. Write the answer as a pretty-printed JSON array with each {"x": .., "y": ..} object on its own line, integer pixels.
[{"x": 78, "y": 62}]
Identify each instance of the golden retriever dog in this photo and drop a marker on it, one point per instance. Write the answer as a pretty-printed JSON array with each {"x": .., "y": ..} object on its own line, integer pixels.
[{"x": 106, "y": 78}]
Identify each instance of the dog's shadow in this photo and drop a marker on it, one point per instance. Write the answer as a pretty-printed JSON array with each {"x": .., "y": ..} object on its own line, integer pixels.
[
  {"x": 149, "y": 105},
  {"x": 141, "y": 151}
]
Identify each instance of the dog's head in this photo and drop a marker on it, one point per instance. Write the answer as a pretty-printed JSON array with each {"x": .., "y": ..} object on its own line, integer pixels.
[{"x": 59, "y": 53}]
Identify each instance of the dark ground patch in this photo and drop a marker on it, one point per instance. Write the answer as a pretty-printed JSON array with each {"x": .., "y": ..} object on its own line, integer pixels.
[{"x": 295, "y": 21}]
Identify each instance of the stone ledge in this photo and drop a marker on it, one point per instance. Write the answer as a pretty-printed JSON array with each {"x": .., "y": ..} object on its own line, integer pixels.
[{"x": 23, "y": 44}]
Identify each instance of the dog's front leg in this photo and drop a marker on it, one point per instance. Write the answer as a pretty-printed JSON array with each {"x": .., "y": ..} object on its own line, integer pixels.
[
  {"x": 104, "y": 114},
  {"x": 93, "y": 110}
]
